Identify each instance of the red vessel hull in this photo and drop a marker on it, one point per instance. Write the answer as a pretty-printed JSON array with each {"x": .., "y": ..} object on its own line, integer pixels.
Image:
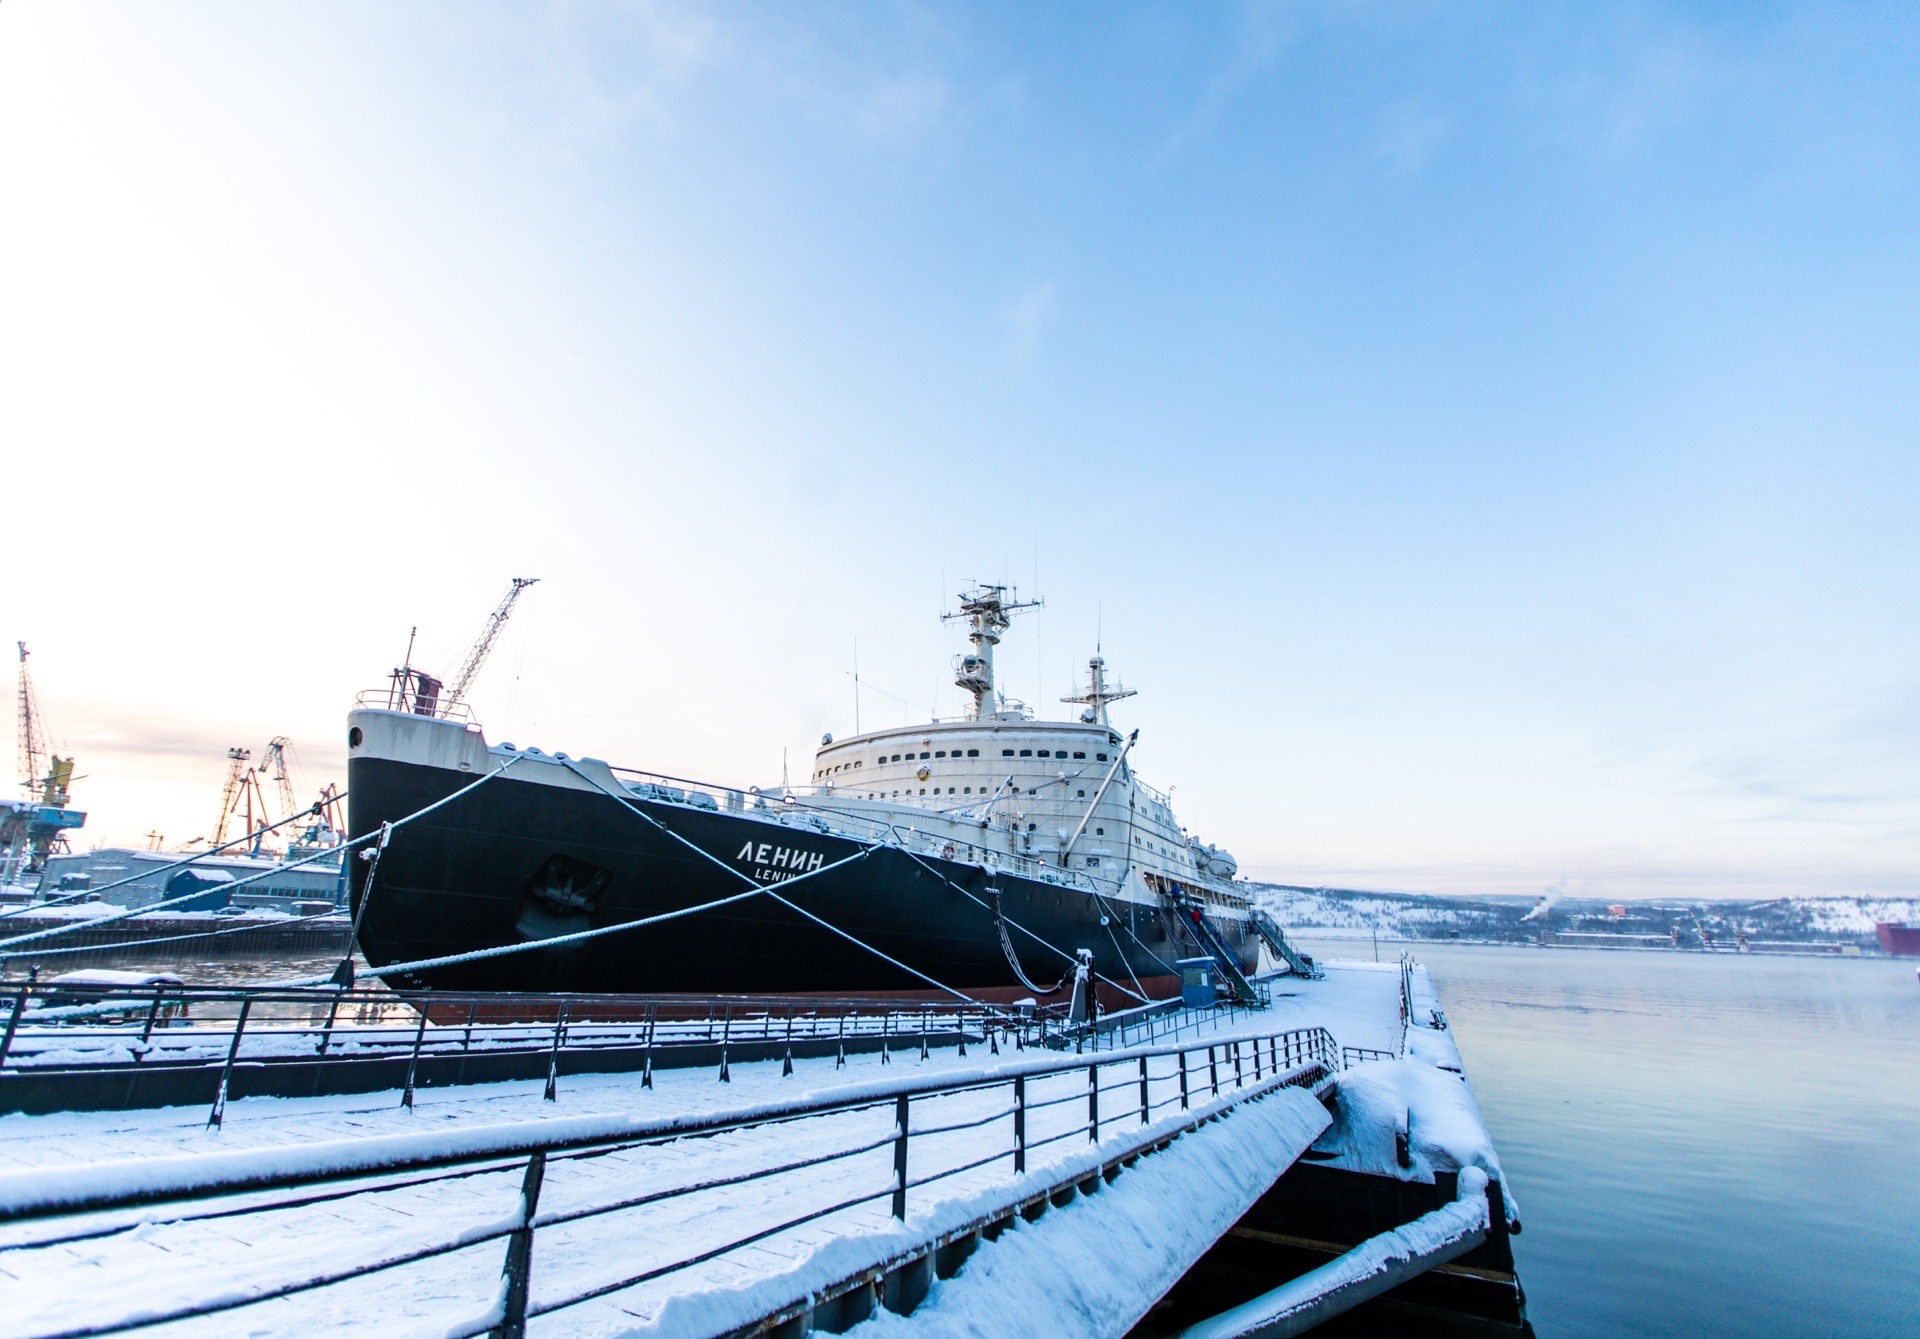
[{"x": 1902, "y": 941}]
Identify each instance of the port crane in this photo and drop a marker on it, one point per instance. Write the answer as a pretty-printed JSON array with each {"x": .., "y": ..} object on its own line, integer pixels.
[
  {"x": 276, "y": 760},
  {"x": 242, "y": 794},
  {"x": 419, "y": 692},
  {"x": 34, "y": 827}
]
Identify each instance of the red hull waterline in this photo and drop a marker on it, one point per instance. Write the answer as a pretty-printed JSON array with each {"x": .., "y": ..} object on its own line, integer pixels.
[{"x": 1902, "y": 941}]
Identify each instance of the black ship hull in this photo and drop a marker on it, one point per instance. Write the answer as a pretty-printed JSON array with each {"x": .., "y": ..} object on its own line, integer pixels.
[{"x": 514, "y": 861}]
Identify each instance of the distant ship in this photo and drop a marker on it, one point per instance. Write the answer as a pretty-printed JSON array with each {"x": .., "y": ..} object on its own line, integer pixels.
[
  {"x": 984, "y": 855},
  {"x": 1901, "y": 941}
]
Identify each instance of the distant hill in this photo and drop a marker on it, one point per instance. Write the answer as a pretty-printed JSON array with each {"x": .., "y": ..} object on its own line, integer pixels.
[{"x": 1359, "y": 913}]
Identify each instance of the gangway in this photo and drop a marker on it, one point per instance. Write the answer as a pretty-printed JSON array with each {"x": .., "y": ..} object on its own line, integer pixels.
[
  {"x": 1269, "y": 930},
  {"x": 1211, "y": 943}
]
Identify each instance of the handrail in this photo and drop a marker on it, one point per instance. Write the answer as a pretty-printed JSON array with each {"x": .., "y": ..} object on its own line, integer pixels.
[{"x": 1116, "y": 1110}]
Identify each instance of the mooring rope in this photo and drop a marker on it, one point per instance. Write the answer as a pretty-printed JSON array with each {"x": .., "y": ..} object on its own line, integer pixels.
[
  {"x": 1013, "y": 959},
  {"x": 93, "y": 922},
  {"x": 32, "y": 907},
  {"x": 557, "y": 941},
  {"x": 275, "y": 924},
  {"x": 1006, "y": 943},
  {"x": 630, "y": 807}
]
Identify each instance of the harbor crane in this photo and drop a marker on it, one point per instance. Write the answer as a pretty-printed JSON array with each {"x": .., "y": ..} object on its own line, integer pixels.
[
  {"x": 417, "y": 691},
  {"x": 275, "y": 760},
  {"x": 488, "y": 636},
  {"x": 242, "y": 794},
  {"x": 34, "y": 828},
  {"x": 32, "y": 736}
]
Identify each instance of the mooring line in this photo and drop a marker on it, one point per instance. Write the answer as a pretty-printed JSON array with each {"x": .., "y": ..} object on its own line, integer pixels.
[
  {"x": 91, "y": 922},
  {"x": 867, "y": 849},
  {"x": 32, "y": 907}
]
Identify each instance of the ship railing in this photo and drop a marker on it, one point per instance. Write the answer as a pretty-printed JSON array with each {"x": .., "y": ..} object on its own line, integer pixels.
[
  {"x": 599, "y": 1218},
  {"x": 410, "y": 703},
  {"x": 816, "y": 806}
]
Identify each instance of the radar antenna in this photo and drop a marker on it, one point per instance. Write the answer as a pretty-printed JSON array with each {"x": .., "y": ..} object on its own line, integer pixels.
[
  {"x": 1098, "y": 693},
  {"x": 989, "y": 610}
]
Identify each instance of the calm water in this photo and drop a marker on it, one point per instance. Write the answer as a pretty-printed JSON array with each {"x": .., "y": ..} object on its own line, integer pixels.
[{"x": 1699, "y": 1145}]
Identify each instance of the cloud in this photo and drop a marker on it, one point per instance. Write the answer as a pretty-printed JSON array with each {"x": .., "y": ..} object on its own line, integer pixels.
[
  {"x": 1026, "y": 320},
  {"x": 1265, "y": 28},
  {"x": 1408, "y": 136}
]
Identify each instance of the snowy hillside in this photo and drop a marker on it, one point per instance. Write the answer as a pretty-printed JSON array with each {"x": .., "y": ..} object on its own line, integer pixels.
[{"x": 1345, "y": 913}]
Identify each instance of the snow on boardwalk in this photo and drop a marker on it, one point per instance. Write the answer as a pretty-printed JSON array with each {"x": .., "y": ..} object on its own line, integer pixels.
[{"x": 180, "y": 1261}]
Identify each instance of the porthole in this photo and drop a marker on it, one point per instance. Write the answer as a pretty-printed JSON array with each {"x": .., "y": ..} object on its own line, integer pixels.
[
  {"x": 1026, "y": 753},
  {"x": 1079, "y": 755},
  {"x": 1099, "y": 832},
  {"x": 1100, "y": 757},
  {"x": 973, "y": 753},
  {"x": 1006, "y": 753},
  {"x": 354, "y": 737}
]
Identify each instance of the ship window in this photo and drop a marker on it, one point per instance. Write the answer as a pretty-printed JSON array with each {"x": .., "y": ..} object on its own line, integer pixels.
[
  {"x": 969, "y": 790},
  {"x": 923, "y": 790},
  {"x": 1026, "y": 753},
  {"x": 973, "y": 753},
  {"x": 1033, "y": 827},
  {"x": 1006, "y": 753},
  {"x": 896, "y": 757},
  {"x": 923, "y": 757},
  {"x": 1101, "y": 757},
  {"x": 1080, "y": 795},
  {"x": 1045, "y": 754},
  {"x": 940, "y": 754},
  {"x": 1099, "y": 832},
  {"x": 1093, "y": 862}
]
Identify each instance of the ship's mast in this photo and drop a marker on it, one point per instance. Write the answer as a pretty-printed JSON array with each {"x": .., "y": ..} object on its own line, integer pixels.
[
  {"x": 989, "y": 611},
  {"x": 1098, "y": 694}
]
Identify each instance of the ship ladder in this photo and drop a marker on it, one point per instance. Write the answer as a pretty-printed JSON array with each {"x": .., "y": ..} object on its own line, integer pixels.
[
  {"x": 1269, "y": 929},
  {"x": 1215, "y": 946}
]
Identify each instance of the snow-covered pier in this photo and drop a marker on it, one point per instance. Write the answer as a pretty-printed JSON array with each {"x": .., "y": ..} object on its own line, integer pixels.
[{"x": 1030, "y": 1191}]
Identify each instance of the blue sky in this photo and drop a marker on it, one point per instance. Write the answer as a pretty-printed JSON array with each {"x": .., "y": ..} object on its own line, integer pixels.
[{"x": 1486, "y": 435}]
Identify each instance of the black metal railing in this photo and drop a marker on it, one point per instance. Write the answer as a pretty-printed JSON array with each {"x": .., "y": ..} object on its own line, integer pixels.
[
  {"x": 95, "y": 1029},
  {"x": 613, "y": 1203}
]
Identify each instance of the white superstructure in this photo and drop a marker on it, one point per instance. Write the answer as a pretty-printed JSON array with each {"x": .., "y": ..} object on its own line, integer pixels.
[{"x": 1054, "y": 798}]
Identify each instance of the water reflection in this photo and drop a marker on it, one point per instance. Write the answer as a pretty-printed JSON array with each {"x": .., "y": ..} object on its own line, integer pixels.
[{"x": 1698, "y": 1144}]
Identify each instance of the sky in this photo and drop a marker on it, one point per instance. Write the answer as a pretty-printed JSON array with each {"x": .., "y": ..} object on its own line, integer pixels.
[{"x": 1488, "y": 436}]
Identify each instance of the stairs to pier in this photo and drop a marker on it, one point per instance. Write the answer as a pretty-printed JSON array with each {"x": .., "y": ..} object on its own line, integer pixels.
[{"x": 1269, "y": 930}]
